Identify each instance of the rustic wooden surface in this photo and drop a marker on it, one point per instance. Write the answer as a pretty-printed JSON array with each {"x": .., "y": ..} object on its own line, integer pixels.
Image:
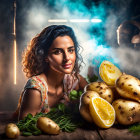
[{"x": 89, "y": 132}]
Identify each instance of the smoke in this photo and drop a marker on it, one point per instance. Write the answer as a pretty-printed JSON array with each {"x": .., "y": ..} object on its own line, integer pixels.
[
  {"x": 128, "y": 57},
  {"x": 98, "y": 40},
  {"x": 129, "y": 60},
  {"x": 90, "y": 35}
]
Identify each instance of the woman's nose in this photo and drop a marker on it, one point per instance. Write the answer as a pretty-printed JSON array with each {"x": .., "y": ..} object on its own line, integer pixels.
[{"x": 66, "y": 56}]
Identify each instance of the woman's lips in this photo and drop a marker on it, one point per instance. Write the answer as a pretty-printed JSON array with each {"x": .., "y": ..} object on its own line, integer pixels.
[{"x": 66, "y": 66}]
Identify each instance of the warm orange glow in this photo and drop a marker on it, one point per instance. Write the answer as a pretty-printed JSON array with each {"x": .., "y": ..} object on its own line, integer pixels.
[
  {"x": 15, "y": 46},
  {"x": 15, "y": 62}
]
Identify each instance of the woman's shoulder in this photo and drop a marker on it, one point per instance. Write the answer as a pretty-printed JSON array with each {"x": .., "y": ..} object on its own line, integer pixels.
[
  {"x": 32, "y": 82},
  {"x": 36, "y": 82}
]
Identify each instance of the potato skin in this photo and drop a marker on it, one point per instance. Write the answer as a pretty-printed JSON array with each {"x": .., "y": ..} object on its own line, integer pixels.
[
  {"x": 47, "y": 125},
  {"x": 128, "y": 87},
  {"x": 127, "y": 112},
  {"x": 84, "y": 111},
  {"x": 84, "y": 104},
  {"x": 102, "y": 89},
  {"x": 12, "y": 131},
  {"x": 86, "y": 96}
]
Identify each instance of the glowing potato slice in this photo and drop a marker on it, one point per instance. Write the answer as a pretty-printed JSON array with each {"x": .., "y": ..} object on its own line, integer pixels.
[
  {"x": 109, "y": 73},
  {"x": 102, "y": 112}
]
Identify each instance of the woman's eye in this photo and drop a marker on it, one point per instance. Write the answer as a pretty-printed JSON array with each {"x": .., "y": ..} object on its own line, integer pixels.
[
  {"x": 71, "y": 50},
  {"x": 57, "y": 52}
]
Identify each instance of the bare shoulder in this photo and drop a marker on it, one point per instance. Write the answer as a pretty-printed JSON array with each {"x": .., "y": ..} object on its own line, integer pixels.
[
  {"x": 31, "y": 99},
  {"x": 31, "y": 103},
  {"x": 31, "y": 94}
]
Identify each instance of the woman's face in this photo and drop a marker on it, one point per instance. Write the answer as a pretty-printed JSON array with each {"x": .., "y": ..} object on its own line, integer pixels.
[{"x": 62, "y": 56}]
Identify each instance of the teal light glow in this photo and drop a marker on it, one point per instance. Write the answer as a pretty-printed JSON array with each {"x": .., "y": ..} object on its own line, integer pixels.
[
  {"x": 103, "y": 52},
  {"x": 75, "y": 20},
  {"x": 96, "y": 20}
]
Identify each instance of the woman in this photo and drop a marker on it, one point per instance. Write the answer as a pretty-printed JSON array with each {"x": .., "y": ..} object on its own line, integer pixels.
[{"x": 51, "y": 64}]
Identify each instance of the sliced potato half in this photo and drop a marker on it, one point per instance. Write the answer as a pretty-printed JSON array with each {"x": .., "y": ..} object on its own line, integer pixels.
[
  {"x": 109, "y": 73},
  {"x": 102, "y": 112}
]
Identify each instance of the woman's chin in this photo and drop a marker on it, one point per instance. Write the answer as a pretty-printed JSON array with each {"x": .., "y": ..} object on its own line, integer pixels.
[{"x": 67, "y": 71}]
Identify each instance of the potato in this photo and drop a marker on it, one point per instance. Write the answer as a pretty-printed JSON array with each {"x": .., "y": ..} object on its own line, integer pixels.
[
  {"x": 12, "y": 131},
  {"x": 84, "y": 111},
  {"x": 129, "y": 87},
  {"x": 102, "y": 89},
  {"x": 127, "y": 112},
  {"x": 48, "y": 126},
  {"x": 115, "y": 93},
  {"x": 109, "y": 72},
  {"x": 86, "y": 96},
  {"x": 84, "y": 104}
]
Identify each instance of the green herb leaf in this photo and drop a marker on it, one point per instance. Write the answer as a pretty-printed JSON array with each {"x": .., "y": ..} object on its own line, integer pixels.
[
  {"x": 135, "y": 129},
  {"x": 38, "y": 132},
  {"x": 61, "y": 107},
  {"x": 80, "y": 93},
  {"x": 73, "y": 98},
  {"x": 74, "y": 93},
  {"x": 26, "y": 133},
  {"x": 29, "y": 116}
]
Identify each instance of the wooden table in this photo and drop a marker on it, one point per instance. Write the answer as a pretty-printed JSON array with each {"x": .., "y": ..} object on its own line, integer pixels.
[{"x": 89, "y": 132}]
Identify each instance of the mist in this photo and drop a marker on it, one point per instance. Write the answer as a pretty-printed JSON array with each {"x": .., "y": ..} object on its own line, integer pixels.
[{"x": 98, "y": 40}]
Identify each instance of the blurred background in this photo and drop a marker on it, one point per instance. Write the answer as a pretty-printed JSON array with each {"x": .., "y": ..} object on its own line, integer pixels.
[{"x": 105, "y": 29}]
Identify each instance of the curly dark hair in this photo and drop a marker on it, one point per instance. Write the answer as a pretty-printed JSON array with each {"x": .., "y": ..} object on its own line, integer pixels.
[{"x": 34, "y": 56}]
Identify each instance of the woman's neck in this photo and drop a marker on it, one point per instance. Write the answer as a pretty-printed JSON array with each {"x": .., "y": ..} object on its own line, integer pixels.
[{"x": 54, "y": 78}]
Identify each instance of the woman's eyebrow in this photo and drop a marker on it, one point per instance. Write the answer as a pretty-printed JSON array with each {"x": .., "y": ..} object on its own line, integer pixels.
[
  {"x": 71, "y": 47},
  {"x": 57, "y": 49},
  {"x": 62, "y": 49}
]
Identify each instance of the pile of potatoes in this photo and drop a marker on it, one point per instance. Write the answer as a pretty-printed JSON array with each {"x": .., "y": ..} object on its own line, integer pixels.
[{"x": 124, "y": 97}]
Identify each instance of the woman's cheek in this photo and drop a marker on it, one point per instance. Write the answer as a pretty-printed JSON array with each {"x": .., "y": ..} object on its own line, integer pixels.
[
  {"x": 57, "y": 58},
  {"x": 73, "y": 58}
]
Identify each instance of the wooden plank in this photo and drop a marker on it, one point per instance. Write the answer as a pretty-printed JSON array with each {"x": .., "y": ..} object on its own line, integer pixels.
[
  {"x": 79, "y": 134},
  {"x": 117, "y": 133},
  {"x": 87, "y": 133}
]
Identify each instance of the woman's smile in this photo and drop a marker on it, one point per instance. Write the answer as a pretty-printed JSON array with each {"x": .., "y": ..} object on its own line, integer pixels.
[{"x": 67, "y": 66}]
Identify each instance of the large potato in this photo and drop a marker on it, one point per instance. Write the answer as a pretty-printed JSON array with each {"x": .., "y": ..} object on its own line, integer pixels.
[
  {"x": 129, "y": 87},
  {"x": 102, "y": 89},
  {"x": 127, "y": 112},
  {"x": 84, "y": 104},
  {"x": 12, "y": 131},
  {"x": 47, "y": 125}
]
